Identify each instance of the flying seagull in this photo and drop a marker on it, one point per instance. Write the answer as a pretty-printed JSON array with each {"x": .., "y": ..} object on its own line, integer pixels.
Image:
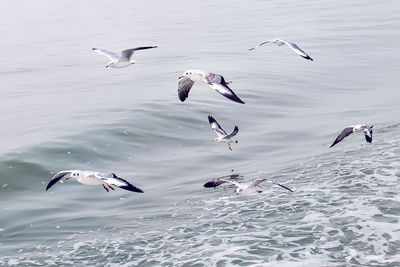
[
  {"x": 244, "y": 188},
  {"x": 122, "y": 61},
  {"x": 367, "y": 129},
  {"x": 216, "y": 81},
  {"x": 223, "y": 137},
  {"x": 94, "y": 178},
  {"x": 291, "y": 45}
]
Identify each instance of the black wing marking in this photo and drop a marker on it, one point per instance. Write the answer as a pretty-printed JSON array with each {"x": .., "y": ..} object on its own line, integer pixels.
[
  {"x": 235, "y": 131},
  {"x": 57, "y": 178},
  {"x": 113, "y": 179},
  {"x": 287, "y": 188},
  {"x": 299, "y": 51},
  {"x": 218, "y": 83},
  {"x": 307, "y": 57},
  {"x": 216, "y": 127},
  {"x": 214, "y": 183},
  {"x": 259, "y": 181},
  {"x": 368, "y": 134},
  {"x": 127, "y": 54},
  {"x": 184, "y": 86},
  {"x": 346, "y": 132}
]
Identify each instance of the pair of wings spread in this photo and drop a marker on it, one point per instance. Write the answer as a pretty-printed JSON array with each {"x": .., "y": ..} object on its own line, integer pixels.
[
  {"x": 110, "y": 179},
  {"x": 218, "y": 129},
  {"x": 216, "y": 81},
  {"x": 215, "y": 183},
  {"x": 125, "y": 54},
  {"x": 349, "y": 130},
  {"x": 291, "y": 45}
]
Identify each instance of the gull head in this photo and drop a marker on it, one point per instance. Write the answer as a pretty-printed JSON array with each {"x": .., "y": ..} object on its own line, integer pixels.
[
  {"x": 73, "y": 175},
  {"x": 238, "y": 191},
  {"x": 187, "y": 73},
  {"x": 194, "y": 75}
]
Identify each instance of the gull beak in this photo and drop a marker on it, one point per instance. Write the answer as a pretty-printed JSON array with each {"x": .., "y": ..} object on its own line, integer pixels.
[
  {"x": 69, "y": 177},
  {"x": 180, "y": 77},
  {"x": 107, "y": 66}
]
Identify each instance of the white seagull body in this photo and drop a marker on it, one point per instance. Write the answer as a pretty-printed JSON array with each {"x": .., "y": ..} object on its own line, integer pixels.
[
  {"x": 367, "y": 129},
  {"x": 244, "y": 188},
  {"x": 216, "y": 81},
  {"x": 94, "y": 178},
  {"x": 291, "y": 45},
  {"x": 223, "y": 137},
  {"x": 122, "y": 61}
]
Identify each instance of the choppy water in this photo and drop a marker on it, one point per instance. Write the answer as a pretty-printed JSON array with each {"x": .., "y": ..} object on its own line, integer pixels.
[{"x": 62, "y": 110}]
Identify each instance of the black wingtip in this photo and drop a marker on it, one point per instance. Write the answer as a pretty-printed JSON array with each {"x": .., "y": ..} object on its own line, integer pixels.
[
  {"x": 55, "y": 179},
  {"x": 287, "y": 188},
  {"x": 210, "y": 119},
  {"x": 308, "y": 57},
  {"x": 213, "y": 183},
  {"x": 182, "y": 98},
  {"x": 209, "y": 184},
  {"x": 132, "y": 188},
  {"x": 235, "y": 98},
  {"x": 94, "y": 48},
  {"x": 183, "y": 95}
]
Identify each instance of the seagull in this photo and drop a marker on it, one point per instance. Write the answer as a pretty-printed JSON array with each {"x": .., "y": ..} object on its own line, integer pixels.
[
  {"x": 216, "y": 81},
  {"x": 291, "y": 45},
  {"x": 223, "y": 137},
  {"x": 94, "y": 178},
  {"x": 243, "y": 188},
  {"x": 122, "y": 61},
  {"x": 367, "y": 129}
]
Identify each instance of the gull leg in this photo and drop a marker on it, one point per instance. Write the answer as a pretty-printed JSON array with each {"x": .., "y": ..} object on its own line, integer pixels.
[
  {"x": 229, "y": 146},
  {"x": 105, "y": 188},
  {"x": 110, "y": 187}
]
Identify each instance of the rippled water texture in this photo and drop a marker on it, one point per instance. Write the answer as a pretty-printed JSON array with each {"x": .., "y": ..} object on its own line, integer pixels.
[{"x": 61, "y": 109}]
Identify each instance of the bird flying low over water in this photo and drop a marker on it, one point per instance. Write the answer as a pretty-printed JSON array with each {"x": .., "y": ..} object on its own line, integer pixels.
[
  {"x": 223, "y": 137},
  {"x": 291, "y": 45},
  {"x": 122, "y": 61},
  {"x": 216, "y": 81},
  {"x": 367, "y": 129},
  {"x": 94, "y": 178},
  {"x": 243, "y": 188}
]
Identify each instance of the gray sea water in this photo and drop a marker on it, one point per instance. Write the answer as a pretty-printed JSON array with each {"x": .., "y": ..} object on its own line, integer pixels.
[{"x": 61, "y": 109}]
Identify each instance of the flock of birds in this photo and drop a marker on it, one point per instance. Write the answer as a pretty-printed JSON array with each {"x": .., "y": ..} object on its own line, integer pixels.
[{"x": 186, "y": 81}]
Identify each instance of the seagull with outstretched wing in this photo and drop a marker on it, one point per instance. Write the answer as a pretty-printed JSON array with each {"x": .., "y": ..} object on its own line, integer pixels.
[
  {"x": 94, "y": 178},
  {"x": 244, "y": 188},
  {"x": 215, "y": 81},
  {"x": 366, "y": 129},
  {"x": 122, "y": 61},
  {"x": 291, "y": 45},
  {"x": 223, "y": 137}
]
